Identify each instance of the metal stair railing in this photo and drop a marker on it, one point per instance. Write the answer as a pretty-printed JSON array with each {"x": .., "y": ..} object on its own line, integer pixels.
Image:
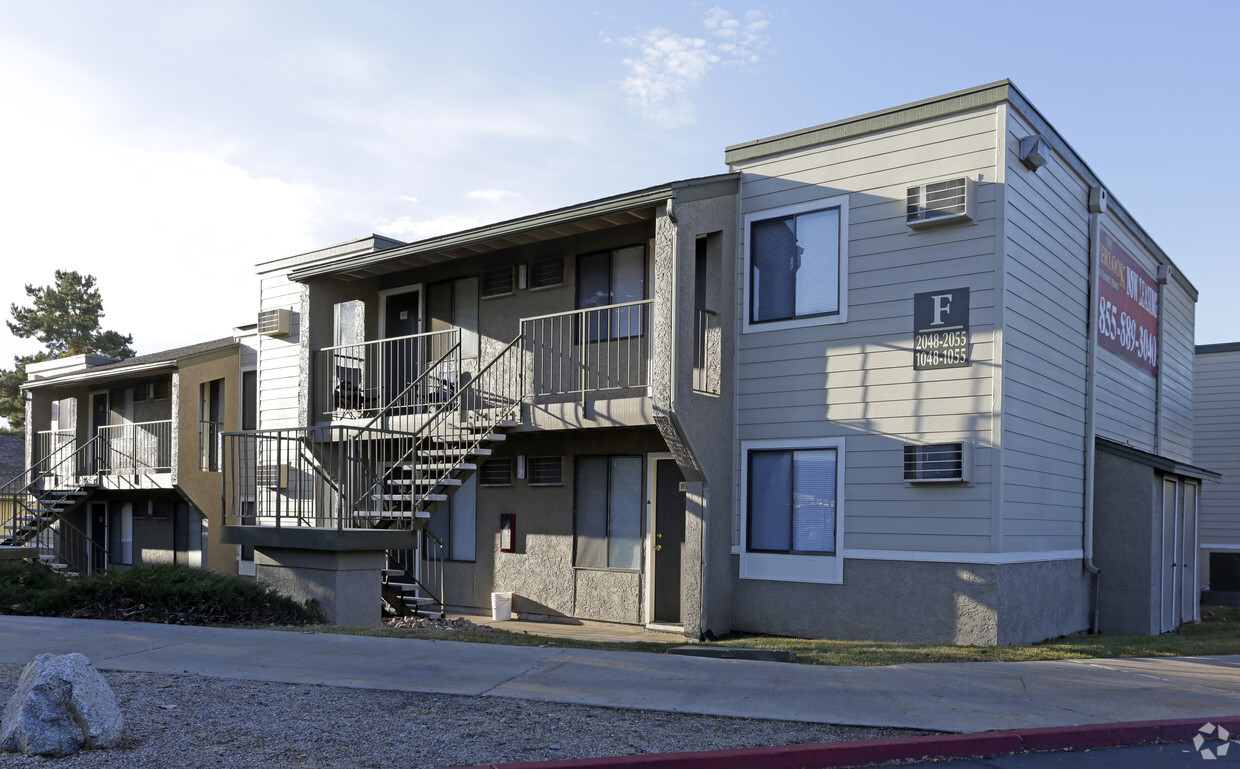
[
  {"x": 31, "y": 508},
  {"x": 422, "y": 567},
  {"x": 455, "y": 433},
  {"x": 324, "y": 476}
]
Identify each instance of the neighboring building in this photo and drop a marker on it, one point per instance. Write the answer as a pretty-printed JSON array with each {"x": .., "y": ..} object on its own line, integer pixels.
[
  {"x": 122, "y": 463},
  {"x": 849, "y": 389},
  {"x": 1217, "y": 446}
]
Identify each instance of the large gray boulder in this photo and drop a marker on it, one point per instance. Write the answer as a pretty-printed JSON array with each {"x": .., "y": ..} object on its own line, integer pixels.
[{"x": 61, "y": 705}]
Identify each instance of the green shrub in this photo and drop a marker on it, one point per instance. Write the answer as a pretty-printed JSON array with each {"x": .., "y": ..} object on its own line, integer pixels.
[
  {"x": 168, "y": 594},
  {"x": 28, "y": 588}
]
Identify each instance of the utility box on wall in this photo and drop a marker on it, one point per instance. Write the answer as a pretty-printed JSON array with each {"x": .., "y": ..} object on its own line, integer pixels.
[{"x": 508, "y": 533}]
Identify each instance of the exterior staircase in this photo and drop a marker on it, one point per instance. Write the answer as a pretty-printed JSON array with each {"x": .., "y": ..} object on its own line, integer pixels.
[
  {"x": 34, "y": 506},
  {"x": 418, "y": 487},
  {"x": 425, "y": 466}
]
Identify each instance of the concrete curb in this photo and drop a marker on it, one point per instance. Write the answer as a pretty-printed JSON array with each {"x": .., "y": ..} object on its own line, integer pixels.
[{"x": 836, "y": 755}]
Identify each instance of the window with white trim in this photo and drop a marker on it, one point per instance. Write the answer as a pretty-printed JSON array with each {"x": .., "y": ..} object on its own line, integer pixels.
[
  {"x": 796, "y": 271},
  {"x": 792, "y": 502}
]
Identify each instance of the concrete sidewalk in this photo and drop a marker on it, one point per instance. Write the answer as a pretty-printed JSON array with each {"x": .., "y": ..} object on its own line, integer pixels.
[{"x": 947, "y": 697}]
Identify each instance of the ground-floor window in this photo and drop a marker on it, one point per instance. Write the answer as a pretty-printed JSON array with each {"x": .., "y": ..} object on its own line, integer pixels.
[
  {"x": 608, "y": 517},
  {"x": 792, "y": 501},
  {"x": 456, "y": 523}
]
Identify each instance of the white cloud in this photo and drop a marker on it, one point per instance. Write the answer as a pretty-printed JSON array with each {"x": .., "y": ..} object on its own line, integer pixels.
[
  {"x": 490, "y": 196},
  {"x": 659, "y": 80},
  {"x": 670, "y": 66}
]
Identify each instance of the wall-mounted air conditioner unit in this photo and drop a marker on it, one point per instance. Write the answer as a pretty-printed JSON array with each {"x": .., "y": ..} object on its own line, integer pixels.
[
  {"x": 938, "y": 463},
  {"x": 271, "y": 476},
  {"x": 953, "y": 201},
  {"x": 274, "y": 322}
]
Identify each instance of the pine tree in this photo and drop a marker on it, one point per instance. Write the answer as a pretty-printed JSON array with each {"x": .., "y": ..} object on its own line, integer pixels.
[{"x": 65, "y": 317}]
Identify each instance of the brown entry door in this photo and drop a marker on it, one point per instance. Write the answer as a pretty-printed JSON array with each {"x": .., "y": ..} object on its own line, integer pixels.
[{"x": 669, "y": 539}]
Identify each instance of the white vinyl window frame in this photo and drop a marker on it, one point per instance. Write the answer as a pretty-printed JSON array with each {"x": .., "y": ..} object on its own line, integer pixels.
[
  {"x": 793, "y": 567},
  {"x": 839, "y": 202}
]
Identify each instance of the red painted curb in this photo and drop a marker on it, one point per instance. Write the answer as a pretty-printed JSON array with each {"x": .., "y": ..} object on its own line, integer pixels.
[
  {"x": 837, "y": 755},
  {"x": 1113, "y": 735}
]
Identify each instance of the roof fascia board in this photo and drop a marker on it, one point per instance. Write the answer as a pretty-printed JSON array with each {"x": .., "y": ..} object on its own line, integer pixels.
[
  {"x": 687, "y": 190},
  {"x": 1157, "y": 462},
  {"x": 469, "y": 237},
  {"x": 916, "y": 112},
  {"x": 364, "y": 245},
  {"x": 1205, "y": 349},
  {"x": 93, "y": 376}
]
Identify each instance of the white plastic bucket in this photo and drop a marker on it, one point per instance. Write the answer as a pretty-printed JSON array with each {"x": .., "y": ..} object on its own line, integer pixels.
[{"x": 501, "y": 607}]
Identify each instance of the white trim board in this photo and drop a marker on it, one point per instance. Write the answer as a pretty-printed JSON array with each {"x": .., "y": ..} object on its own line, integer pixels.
[
  {"x": 930, "y": 557},
  {"x": 920, "y": 556}
]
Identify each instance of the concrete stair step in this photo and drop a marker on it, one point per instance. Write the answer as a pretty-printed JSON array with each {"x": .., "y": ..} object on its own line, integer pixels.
[
  {"x": 477, "y": 452},
  {"x": 411, "y": 498},
  {"x": 469, "y": 438}
]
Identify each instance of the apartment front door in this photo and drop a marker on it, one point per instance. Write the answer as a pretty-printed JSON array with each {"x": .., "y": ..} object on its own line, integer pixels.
[
  {"x": 100, "y": 415},
  {"x": 402, "y": 317},
  {"x": 669, "y": 539}
]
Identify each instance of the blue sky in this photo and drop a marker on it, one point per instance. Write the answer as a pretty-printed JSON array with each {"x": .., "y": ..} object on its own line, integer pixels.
[{"x": 168, "y": 147}]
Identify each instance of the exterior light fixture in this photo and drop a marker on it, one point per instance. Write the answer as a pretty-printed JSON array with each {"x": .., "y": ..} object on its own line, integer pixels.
[{"x": 1034, "y": 151}]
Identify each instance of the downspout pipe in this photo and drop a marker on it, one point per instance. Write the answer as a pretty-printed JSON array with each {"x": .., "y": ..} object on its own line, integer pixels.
[{"x": 1097, "y": 206}]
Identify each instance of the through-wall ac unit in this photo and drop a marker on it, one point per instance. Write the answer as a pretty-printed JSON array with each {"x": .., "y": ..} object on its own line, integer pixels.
[
  {"x": 271, "y": 476},
  {"x": 953, "y": 201},
  {"x": 274, "y": 322},
  {"x": 938, "y": 463}
]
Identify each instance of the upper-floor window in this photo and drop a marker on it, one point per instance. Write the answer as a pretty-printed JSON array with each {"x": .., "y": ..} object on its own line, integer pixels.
[{"x": 797, "y": 265}]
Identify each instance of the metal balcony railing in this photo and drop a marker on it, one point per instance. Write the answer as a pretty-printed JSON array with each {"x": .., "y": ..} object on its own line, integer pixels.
[
  {"x": 595, "y": 350},
  {"x": 361, "y": 380},
  {"x": 137, "y": 448},
  {"x": 52, "y": 446}
]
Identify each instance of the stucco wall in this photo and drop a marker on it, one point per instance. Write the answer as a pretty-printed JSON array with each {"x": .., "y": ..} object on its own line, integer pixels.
[
  {"x": 921, "y": 602},
  {"x": 203, "y": 489},
  {"x": 1126, "y": 545},
  {"x": 540, "y": 572},
  {"x": 698, "y": 425}
]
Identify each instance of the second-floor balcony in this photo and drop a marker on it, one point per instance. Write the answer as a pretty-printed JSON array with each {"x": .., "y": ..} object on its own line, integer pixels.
[
  {"x": 130, "y": 449},
  {"x": 595, "y": 353}
]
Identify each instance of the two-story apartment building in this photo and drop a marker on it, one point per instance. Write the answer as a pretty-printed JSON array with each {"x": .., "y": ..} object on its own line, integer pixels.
[
  {"x": 913, "y": 375},
  {"x": 123, "y": 458}
]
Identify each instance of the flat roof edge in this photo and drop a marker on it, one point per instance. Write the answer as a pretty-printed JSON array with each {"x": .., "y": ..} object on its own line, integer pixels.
[
  {"x": 915, "y": 112},
  {"x": 1203, "y": 349},
  {"x": 1155, "y": 461}
]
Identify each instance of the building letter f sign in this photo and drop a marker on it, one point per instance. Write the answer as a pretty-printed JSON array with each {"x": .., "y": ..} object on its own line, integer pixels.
[{"x": 942, "y": 306}]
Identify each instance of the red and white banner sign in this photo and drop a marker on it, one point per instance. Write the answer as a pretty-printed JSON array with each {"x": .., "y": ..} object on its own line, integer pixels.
[{"x": 1128, "y": 306}]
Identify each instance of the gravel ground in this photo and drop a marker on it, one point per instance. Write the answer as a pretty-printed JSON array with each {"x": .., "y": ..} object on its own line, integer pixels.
[{"x": 195, "y": 721}]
